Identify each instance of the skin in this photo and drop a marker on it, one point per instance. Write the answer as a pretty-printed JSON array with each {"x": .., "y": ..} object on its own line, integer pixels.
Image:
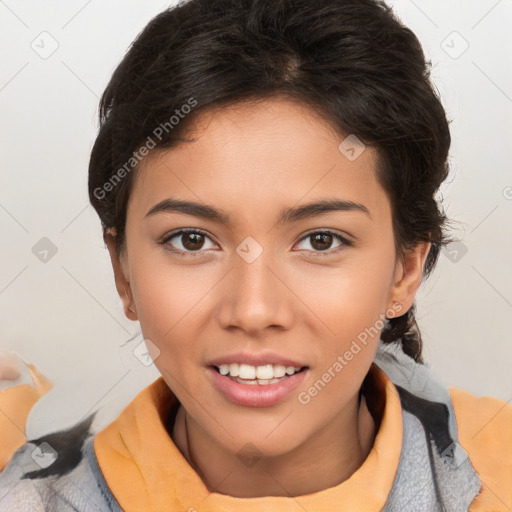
[{"x": 252, "y": 160}]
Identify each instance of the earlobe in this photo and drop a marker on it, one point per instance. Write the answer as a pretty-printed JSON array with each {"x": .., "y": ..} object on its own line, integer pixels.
[
  {"x": 408, "y": 276},
  {"x": 121, "y": 277}
]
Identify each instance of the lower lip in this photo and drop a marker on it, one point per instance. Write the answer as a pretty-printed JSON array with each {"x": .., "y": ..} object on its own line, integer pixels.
[{"x": 256, "y": 395}]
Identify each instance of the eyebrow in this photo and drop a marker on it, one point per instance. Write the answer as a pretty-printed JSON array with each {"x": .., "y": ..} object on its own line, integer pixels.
[{"x": 287, "y": 215}]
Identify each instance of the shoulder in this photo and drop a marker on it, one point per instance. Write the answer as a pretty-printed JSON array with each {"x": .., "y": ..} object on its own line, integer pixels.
[
  {"x": 44, "y": 473},
  {"x": 484, "y": 427}
]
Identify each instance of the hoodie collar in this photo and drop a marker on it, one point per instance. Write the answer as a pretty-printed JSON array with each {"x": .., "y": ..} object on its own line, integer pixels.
[{"x": 145, "y": 470}]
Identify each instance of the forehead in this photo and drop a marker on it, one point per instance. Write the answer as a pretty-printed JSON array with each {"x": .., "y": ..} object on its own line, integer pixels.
[{"x": 251, "y": 156}]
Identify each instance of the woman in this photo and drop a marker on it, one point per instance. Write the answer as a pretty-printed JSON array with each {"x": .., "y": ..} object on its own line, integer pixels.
[{"x": 265, "y": 174}]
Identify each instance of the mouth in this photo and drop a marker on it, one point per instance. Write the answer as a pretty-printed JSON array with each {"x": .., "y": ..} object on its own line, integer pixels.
[
  {"x": 264, "y": 375},
  {"x": 247, "y": 388}
]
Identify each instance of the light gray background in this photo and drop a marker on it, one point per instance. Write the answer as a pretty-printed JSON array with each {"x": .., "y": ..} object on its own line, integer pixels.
[{"x": 64, "y": 314}]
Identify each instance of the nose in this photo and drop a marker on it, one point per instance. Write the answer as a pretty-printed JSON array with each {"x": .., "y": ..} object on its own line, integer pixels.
[{"x": 255, "y": 296}]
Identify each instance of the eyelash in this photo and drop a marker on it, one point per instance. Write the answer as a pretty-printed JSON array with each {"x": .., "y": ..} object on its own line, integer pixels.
[{"x": 343, "y": 240}]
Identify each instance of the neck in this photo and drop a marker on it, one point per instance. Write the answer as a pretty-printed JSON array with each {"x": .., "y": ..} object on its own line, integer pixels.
[{"x": 326, "y": 459}]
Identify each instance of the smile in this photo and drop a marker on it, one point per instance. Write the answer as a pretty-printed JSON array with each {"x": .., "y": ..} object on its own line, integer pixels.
[
  {"x": 246, "y": 388},
  {"x": 265, "y": 374}
]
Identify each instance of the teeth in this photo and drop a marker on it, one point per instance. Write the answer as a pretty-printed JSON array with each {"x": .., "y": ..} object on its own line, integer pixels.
[
  {"x": 260, "y": 382},
  {"x": 246, "y": 371},
  {"x": 263, "y": 373},
  {"x": 224, "y": 369},
  {"x": 280, "y": 370}
]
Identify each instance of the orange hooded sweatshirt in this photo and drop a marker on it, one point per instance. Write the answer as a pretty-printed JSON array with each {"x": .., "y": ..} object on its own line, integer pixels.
[{"x": 134, "y": 465}]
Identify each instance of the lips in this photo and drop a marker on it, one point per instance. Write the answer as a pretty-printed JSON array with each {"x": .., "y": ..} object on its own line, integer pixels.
[
  {"x": 260, "y": 392},
  {"x": 255, "y": 395}
]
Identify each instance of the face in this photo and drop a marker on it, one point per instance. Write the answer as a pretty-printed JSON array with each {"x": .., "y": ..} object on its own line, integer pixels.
[{"x": 304, "y": 288}]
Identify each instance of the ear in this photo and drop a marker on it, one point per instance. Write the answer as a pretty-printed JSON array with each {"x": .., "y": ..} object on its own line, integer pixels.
[
  {"x": 407, "y": 278},
  {"x": 121, "y": 275}
]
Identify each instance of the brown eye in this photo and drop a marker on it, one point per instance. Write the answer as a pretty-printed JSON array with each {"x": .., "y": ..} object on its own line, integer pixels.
[
  {"x": 192, "y": 241},
  {"x": 321, "y": 242},
  {"x": 187, "y": 242}
]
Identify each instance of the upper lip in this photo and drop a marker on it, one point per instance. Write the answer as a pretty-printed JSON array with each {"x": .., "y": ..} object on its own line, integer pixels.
[{"x": 259, "y": 359}]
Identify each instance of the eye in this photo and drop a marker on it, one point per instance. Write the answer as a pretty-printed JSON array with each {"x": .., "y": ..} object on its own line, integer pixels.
[
  {"x": 322, "y": 240},
  {"x": 191, "y": 241}
]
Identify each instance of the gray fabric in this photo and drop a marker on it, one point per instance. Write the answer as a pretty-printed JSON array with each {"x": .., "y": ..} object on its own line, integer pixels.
[
  {"x": 414, "y": 486},
  {"x": 83, "y": 489},
  {"x": 416, "y": 378},
  {"x": 426, "y": 480}
]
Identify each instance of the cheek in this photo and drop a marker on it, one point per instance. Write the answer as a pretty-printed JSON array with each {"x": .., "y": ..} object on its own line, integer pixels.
[
  {"x": 350, "y": 298},
  {"x": 169, "y": 299},
  {"x": 165, "y": 292},
  {"x": 350, "y": 303}
]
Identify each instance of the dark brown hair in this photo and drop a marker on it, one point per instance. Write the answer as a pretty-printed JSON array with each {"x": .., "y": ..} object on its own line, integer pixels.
[{"x": 352, "y": 61}]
